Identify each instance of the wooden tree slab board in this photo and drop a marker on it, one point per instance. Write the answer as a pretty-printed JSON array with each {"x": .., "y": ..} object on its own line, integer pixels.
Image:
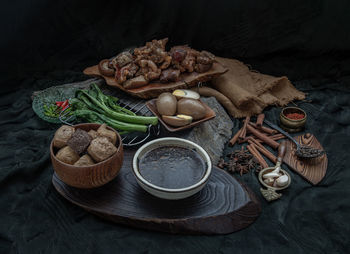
[
  {"x": 152, "y": 90},
  {"x": 312, "y": 170},
  {"x": 223, "y": 206}
]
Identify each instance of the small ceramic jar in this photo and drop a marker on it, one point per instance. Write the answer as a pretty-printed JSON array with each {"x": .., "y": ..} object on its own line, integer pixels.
[{"x": 292, "y": 125}]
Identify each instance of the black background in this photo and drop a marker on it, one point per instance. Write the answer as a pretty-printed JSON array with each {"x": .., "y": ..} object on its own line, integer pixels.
[
  {"x": 298, "y": 38},
  {"x": 45, "y": 43}
]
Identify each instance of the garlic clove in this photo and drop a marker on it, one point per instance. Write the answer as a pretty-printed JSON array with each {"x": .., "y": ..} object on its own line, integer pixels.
[
  {"x": 275, "y": 184},
  {"x": 276, "y": 170},
  {"x": 271, "y": 175},
  {"x": 269, "y": 181},
  {"x": 282, "y": 181}
]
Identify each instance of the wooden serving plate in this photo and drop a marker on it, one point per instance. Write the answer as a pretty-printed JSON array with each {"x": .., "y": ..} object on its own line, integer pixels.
[
  {"x": 153, "y": 108},
  {"x": 223, "y": 206},
  {"x": 312, "y": 170},
  {"x": 152, "y": 90}
]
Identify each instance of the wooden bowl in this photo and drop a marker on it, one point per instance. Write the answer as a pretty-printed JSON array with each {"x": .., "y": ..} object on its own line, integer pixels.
[
  {"x": 87, "y": 177},
  {"x": 291, "y": 125}
]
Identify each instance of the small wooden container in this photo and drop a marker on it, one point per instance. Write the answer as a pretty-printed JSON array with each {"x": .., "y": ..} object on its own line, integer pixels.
[
  {"x": 291, "y": 125},
  {"x": 89, "y": 176}
]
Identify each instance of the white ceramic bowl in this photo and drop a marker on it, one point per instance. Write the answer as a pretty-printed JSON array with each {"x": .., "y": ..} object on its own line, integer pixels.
[{"x": 166, "y": 193}]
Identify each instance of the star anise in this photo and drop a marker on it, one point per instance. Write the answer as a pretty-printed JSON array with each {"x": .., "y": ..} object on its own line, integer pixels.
[{"x": 240, "y": 161}]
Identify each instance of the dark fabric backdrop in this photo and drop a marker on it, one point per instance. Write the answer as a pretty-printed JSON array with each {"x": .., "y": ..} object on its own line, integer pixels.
[{"x": 45, "y": 43}]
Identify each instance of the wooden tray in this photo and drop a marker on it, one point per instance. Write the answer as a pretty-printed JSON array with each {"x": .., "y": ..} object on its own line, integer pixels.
[
  {"x": 223, "y": 206},
  {"x": 152, "y": 90},
  {"x": 312, "y": 170},
  {"x": 153, "y": 108}
]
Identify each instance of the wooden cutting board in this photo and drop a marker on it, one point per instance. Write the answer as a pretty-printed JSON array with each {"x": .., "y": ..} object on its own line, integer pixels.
[
  {"x": 152, "y": 90},
  {"x": 223, "y": 206},
  {"x": 312, "y": 170}
]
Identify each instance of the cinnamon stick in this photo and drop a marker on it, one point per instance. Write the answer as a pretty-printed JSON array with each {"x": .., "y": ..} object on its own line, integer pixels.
[
  {"x": 264, "y": 129},
  {"x": 257, "y": 155},
  {"x": 244, "y": 128},
  {"x": 264, "y": 163},
  {"x": 260, "y": 120},
  {"x": 235, "y": 137},
  {"x": 277, "y": 136},
  {"x": 263, "y": 137},
  {"x": 249, "y": 137},
  {"x": 263, "y": 150}
]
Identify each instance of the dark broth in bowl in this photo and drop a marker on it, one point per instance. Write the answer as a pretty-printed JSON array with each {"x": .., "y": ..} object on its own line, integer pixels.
[{"x": 172, "y": 167}]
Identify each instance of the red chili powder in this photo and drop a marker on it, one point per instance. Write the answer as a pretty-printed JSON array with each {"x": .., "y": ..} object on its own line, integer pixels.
[{"x": 295, "y": 116}]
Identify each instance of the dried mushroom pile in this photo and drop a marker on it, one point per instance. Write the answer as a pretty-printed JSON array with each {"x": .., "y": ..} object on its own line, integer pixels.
[
  {"x": 153, "y": 62},
  {"x": 80, "y": 148}
]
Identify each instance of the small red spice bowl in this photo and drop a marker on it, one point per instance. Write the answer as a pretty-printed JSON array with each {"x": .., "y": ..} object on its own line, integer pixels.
[{"x": 289, "y": 119}]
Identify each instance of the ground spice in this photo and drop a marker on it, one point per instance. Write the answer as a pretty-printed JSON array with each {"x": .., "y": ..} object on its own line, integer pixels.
[{"x": 295, "y": 116}]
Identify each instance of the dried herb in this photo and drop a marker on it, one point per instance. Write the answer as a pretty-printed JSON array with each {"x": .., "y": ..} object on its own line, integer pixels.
[{"x": 240, "y": 161}]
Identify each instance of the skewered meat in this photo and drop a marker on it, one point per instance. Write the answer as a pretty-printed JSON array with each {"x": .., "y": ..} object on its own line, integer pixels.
[
  {"x": 184, "y": 58},
  {"x": 200, "y": 68},
  {"x": 105, "y": 68},
  {"x": 128, "y": 71},
  {"x": 205, "y": 57},
  {"x": 157, "y": 43},
  {"x": 178, "y": 53},
  {"x": 154, "y": 51},
  {"x": 121, "y": 60},
  {"x": 204, "y": 61},
  {"x": 166, "y": 63},
  {"x": 149, "y": 69},
  {"x": 169, "y": 75},
  {"x": 135, "y": 82},
  {"x": 190, "y": 60},
  {"x": 152, "y": 62}
]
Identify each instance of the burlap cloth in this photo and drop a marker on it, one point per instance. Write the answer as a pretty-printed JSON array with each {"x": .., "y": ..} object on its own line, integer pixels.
[{"x": 250, "y": 91}]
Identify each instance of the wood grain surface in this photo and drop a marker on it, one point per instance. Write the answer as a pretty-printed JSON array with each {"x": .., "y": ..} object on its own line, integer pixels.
[
  {"x": 312, "y": 170},
  {"x": 152, "y": 90},
  {"x": 223, "y": 206}
]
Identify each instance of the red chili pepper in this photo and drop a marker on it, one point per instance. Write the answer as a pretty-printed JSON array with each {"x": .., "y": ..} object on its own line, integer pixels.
[
  {"x": 65, "y": 107},
  {"x": 64, "y": 104},
  {"x": 59, "y": 103}
]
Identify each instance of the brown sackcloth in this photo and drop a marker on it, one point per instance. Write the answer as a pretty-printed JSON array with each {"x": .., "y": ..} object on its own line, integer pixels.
[{"x": 251, "y": 92}]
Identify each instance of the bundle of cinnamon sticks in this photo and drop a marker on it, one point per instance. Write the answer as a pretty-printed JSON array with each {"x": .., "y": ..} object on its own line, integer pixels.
[{"x": 255, "y": 134}]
